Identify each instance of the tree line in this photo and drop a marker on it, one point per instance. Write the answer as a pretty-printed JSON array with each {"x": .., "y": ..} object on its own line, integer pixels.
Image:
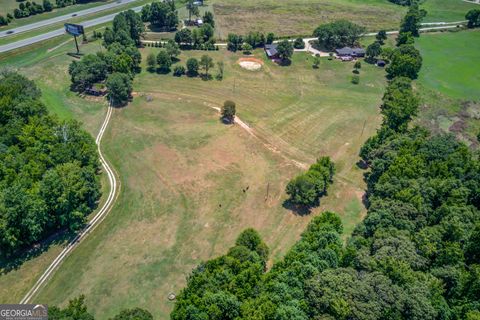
[
  {"x": 117, "y": 65},
  {"x": 48, "y": 168},
  {"x": 77, "y": 309}
]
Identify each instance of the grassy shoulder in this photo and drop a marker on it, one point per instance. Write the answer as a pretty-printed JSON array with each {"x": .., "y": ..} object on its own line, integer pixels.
[{"x": 191, "y": 184}]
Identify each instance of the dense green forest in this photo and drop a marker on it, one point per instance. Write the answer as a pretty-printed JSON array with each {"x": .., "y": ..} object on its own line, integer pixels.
[{"x": 48, "y": 168}]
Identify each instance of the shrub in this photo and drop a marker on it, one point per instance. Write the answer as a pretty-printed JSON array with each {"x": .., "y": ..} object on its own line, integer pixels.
[
  {"x": 164, "y": 61},
  {"x": 192, "y": 67},
  {"x": 299, "y": 44},
  {"x": 178, "y": 71},
  {"x": 355, "y": 79},
  {"x": 247, "y": 48}
]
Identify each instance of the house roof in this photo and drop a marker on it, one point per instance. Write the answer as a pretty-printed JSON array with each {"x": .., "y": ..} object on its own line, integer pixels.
[
  {"x": 271, "y": 49},
  {"x": 350, "y": 51}
]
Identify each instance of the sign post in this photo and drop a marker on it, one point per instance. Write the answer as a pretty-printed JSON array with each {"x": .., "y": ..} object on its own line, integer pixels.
[{"x": 74, "y": 30}]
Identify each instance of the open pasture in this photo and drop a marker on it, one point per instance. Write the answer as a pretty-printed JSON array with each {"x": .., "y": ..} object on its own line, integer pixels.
[
  {"x": 301, "y": 17},
  {"x": 191, "y": 184},
  {"x": 446, "y": 10}
]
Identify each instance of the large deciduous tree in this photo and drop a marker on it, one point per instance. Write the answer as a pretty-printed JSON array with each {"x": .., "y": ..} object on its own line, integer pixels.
[
  {"x": 338, "y": 34},
  {"x": 285, "y": 50},
  {"x": 412, "y": 20},
  {"x": 119, "y": 87},
  {"x": 406, "y": 61}
]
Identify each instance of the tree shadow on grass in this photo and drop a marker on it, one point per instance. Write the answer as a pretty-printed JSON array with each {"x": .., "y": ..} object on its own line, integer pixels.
[
  {"x": 163, "y": 70},
  {"x": 361, "y": 164},
  {"x": 15, "y": 261},
  {"x": 206, "y": 77},
  {"x": 226, "y": 121},
  {"x": 285, "y": 63},
  {"x": 299, "y": 210}
]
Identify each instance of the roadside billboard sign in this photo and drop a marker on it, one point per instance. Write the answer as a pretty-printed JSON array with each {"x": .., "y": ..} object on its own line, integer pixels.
[{"x": 74, "y": 29}]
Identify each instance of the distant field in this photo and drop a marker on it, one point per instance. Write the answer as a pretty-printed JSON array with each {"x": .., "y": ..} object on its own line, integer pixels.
[
  {"x": 7, "y": 6},
  {"x": 183, "y": 172},
  {"x": 301, "y": 17},
  {"x": 447, "y": 10},
  {"x": 451, "y": 63},
  {"x": 449, "y": 83}
]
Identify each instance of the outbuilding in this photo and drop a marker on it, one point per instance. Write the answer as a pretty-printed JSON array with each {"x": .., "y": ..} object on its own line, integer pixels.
[
  {"x": 381, "y": 63},
  {"x": 96, "y": 91},
  {"x": 351, "y": 52},
  {"x": 271, "y": 51}
]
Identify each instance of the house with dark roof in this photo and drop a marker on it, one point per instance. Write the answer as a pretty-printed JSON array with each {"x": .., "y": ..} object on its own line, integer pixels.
[
  {"x": 351, "y": 52},
  {"x": 271, "y": 51}
]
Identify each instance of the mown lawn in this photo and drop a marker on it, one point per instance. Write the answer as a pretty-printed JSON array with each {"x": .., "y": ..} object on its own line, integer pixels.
[
  {"x": 449, "y": 83},
  {"x": 450, "y": 63},
  {"x": 447, "y": 10},
  {"x": 301, "y": 17}
]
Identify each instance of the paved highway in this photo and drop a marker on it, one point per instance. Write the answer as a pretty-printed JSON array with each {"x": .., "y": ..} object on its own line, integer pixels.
[
  {"x": 43, "y": 23},
  {"x": 59, "y": 32}
]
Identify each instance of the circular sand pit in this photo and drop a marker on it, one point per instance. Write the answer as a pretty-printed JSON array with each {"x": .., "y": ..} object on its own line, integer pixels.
[{"x": 251, "y": 64}]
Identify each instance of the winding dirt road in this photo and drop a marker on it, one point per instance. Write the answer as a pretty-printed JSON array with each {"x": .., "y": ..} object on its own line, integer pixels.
[{"x": 91, "y": 225}]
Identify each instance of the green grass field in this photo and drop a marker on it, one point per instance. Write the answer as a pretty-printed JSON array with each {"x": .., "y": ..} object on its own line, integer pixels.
[
  {"x": 447, "y": 10},
  {"x": 183, "y": 172},
  {"x": 7, "y": 6},
  {"x": 449, "y": 83},
  {"x": 451, "y": 63},
  {"x": 301, "y": 17}
]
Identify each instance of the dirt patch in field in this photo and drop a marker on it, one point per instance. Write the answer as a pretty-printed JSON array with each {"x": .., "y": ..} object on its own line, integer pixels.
[{"x": 250, "y": 64}]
